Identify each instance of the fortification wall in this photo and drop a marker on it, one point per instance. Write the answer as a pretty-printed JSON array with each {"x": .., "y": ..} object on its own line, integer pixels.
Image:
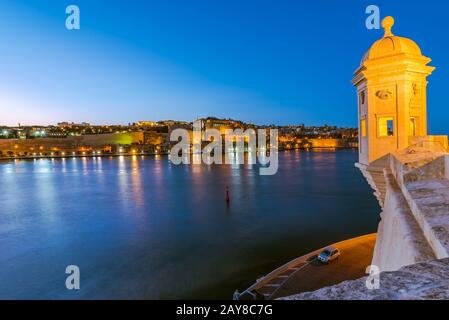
[
  {"x": 112, "y": 139},
  {"x": 415, "y": 218},
  {"x": 400, "y": 240},
  {"x": 446, "y": 167},
  {"x": 75, "y": 142},
  {"x": 329, "y": 143}
]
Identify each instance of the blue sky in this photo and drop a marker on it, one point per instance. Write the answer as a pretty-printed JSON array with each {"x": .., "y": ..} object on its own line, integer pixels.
[{"x": 283, "y": 61}]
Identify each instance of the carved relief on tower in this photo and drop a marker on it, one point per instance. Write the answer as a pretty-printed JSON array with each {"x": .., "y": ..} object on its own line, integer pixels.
[
  {"x": 385, "y": 99},
  {"x": 362, "y": 103},
  {"x": 416, "y": 89},
  {"x": 362, "y": 98},
  {"x": 384, "y": 94},
  {"x": 415, "y": 96}
]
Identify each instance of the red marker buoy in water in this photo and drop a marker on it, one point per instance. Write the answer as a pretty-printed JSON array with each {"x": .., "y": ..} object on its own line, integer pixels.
[{"x": 227, "y": 195}]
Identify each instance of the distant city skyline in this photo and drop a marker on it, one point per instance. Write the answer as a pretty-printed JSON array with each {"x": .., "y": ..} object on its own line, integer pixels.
[
  {"x": 136, "y": 122},
  {"x": 262, "y": 62},
  {"x": 165, "y": 120}
]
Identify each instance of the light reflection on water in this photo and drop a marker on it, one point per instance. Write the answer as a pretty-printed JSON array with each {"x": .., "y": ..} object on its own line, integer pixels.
[{"x": 141, "y": 227}]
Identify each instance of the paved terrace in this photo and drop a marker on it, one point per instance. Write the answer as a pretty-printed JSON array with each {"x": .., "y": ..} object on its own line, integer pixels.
[{"x": 306, "y": 273}]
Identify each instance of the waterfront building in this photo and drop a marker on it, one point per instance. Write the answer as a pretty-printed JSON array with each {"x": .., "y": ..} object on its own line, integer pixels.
[
  {"x": 146, "y": 123},
  {"x": 72, "y": 124}
]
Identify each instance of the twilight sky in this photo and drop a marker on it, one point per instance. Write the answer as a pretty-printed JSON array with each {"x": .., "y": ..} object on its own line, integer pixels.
[{"x": 278, "y": 61}]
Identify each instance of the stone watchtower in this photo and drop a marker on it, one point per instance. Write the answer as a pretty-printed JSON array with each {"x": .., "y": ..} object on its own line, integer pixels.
[{"x": 391, "y": 86}]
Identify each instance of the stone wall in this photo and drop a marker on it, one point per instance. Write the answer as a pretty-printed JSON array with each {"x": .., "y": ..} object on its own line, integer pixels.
[
  {"x": 71, "y": 141},
  {"x": 423, "y": 281},
  {"x": 415, "y": 219},
  {"x": 329, "y": 143},
  {"x": 112, "y": 139},
  {"x": 400, "y": 241},
  {"x": 446, "y": 167},
  {"x": 80, "y": 143}
]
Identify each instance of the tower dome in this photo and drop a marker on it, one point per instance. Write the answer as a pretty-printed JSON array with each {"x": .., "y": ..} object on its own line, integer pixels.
[{"x": 391, "y": 45}]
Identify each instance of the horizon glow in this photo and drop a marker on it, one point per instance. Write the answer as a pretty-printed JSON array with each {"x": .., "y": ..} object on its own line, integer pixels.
[{"x": 261, "y": 62}]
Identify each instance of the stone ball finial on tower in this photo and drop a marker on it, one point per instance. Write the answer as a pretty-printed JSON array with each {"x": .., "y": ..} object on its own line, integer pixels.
[
  {"x": 387, "y": 24},
  {"x": 390, "y": 45}
]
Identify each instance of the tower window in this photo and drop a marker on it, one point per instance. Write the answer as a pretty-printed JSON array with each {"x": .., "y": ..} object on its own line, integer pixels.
[
  {"x": 413, "y": 126},
  {"x": 361, "y": 101},
  {"x": 362, "y": 97},
  {"x": 386, "y": 127},
  {"x": 363, "y": 128}
]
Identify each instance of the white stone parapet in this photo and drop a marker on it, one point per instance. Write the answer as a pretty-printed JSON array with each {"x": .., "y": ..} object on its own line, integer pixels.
[{"x": 415, "y": 217}]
